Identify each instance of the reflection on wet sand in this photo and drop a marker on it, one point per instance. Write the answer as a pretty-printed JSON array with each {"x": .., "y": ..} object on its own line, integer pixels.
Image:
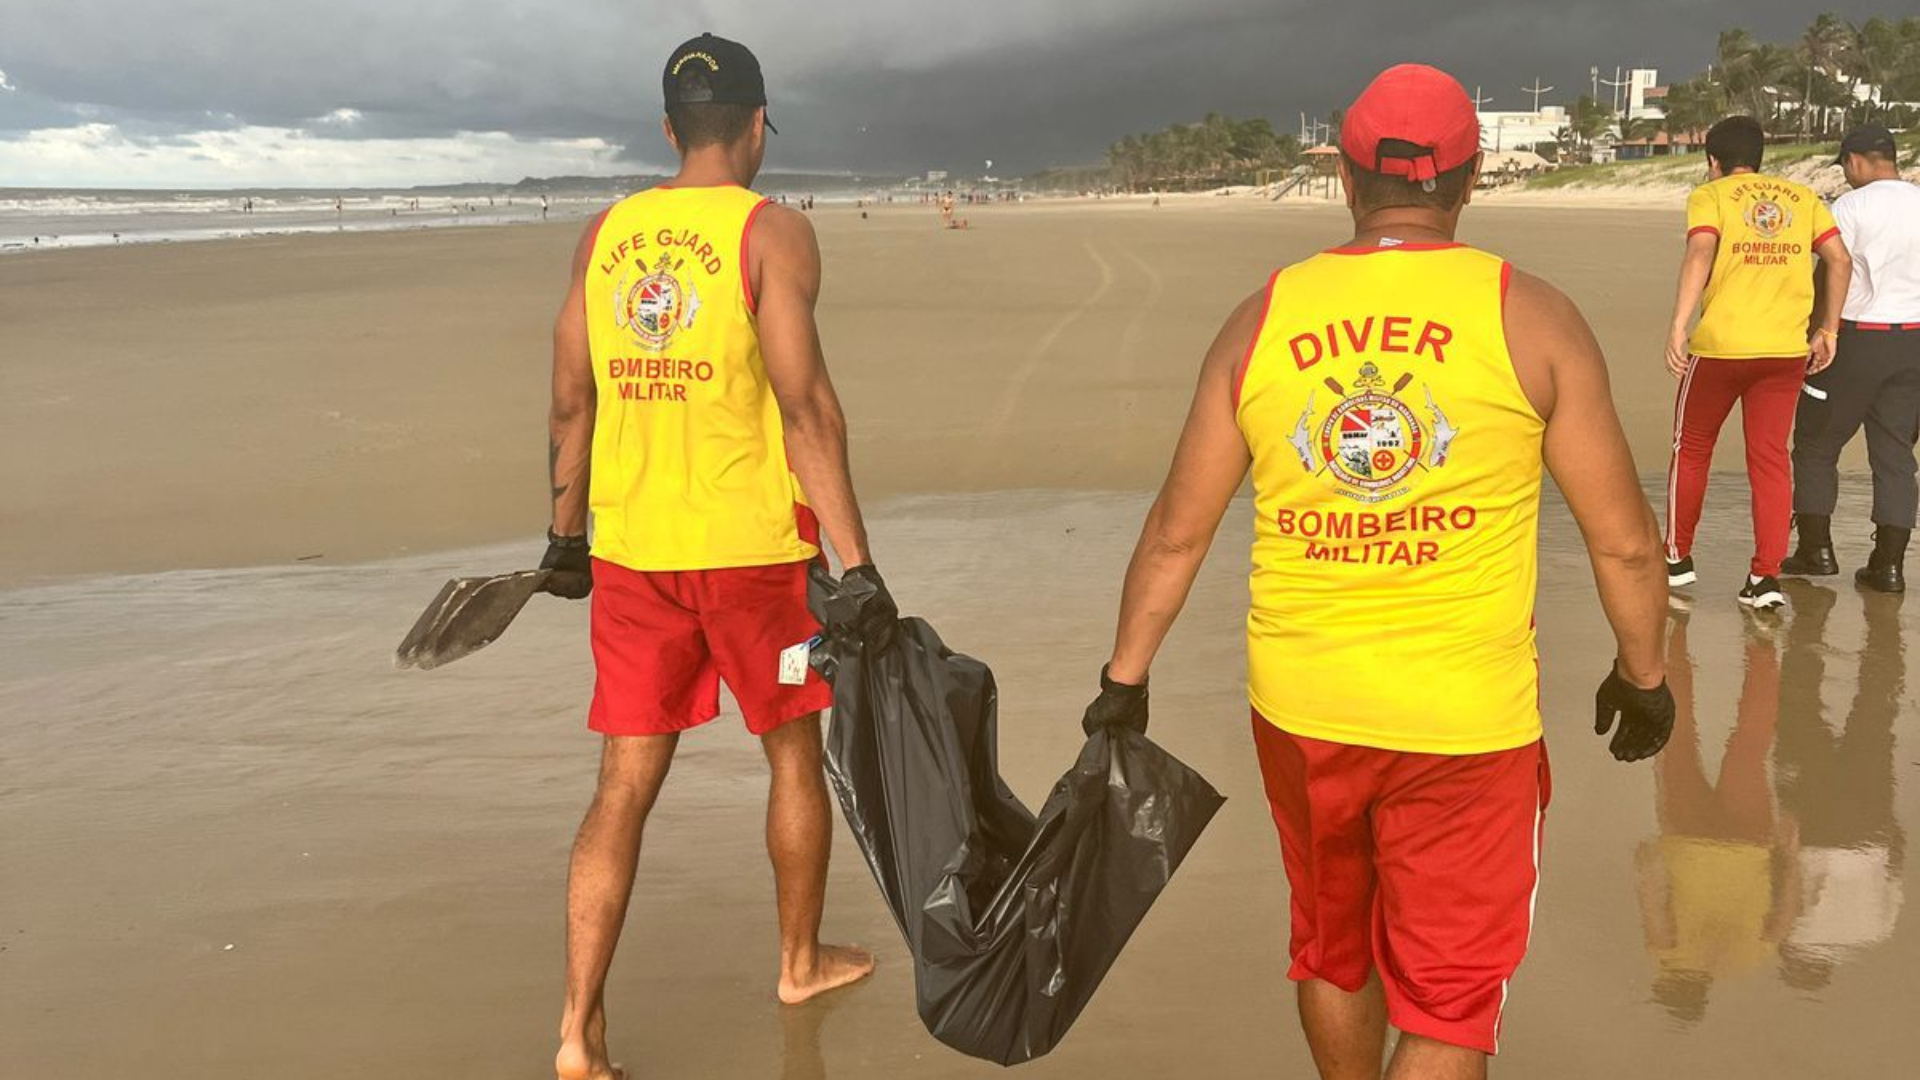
[
  {"x": 1714, "y": 893},
  {"x": 200, "y": 759},
  {"x": 1797, "y": 870},
  {"x": 1838, "y": 783},
  {"x": 800, "y": 1054}
]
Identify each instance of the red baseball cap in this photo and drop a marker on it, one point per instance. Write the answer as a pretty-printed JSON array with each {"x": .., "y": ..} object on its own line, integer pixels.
[{"x": 1413, "y": 121}]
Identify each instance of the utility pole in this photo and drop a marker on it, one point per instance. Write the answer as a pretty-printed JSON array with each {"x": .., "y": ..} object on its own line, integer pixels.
[
  {"x": 1617, "y": 83},
  {"x": 1536, "y": 90},
  {"x": 1479, "y": 103},
  {"x": 1594, "y": 74}
]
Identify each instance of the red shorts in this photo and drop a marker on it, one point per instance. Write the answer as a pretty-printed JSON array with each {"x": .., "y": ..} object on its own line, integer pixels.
[
  {"x": 1422, "y": 867},
  {"x": 663, "y": 641}
]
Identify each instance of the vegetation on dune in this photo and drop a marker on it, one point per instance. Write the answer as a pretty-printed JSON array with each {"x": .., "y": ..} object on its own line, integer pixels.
[{"x": 1690, "y": 169}]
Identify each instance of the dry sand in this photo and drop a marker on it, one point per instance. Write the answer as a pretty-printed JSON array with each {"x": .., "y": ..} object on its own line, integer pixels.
[
  {"x": 362, "y": 396},
  {"x": 199, "y": 759}
]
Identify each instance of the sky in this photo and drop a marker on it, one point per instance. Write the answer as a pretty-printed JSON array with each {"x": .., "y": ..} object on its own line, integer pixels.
[{"x": 233, "y": 93}]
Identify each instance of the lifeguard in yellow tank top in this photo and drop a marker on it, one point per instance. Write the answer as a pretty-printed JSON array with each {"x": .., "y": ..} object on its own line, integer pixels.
[
  {"x": 689, "y": 461},
  {"x": 1396, "y": 470}
]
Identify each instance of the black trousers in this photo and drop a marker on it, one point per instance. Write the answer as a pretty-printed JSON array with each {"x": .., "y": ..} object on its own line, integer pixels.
[{"x": 1875, "y": 382}]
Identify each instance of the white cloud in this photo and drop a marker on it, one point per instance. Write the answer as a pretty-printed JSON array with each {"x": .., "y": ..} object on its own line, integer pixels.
[
  {"x": 5, "y": 84},
  {"x": 102, "y": 155},
  {"x": 341, "y": 117}
]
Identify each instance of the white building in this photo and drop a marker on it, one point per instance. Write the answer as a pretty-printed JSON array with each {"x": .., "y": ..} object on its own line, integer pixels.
[
  {"x": 1646, "y": 98},
  {"x": 1502, "y": 131}
]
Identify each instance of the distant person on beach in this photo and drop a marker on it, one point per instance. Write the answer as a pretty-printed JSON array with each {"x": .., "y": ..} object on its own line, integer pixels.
[
  {"x": 1878, "y": 384},
  {"x": 543, "y": 208},
  {"x": 1395, "y": 399},
  {"x": 693, "y": 416},
  {"x": 1749, "y": 269}
]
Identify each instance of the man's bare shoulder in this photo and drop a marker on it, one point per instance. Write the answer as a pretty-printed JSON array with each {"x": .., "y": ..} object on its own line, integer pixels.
[
  {"x": 779, "y": 227},
  {"x": 1242, "y": 328},
  {"x": 589, "y": 237},
  {"x": 1548, "y": 339},
  {"x": 1536, "y": 303}
]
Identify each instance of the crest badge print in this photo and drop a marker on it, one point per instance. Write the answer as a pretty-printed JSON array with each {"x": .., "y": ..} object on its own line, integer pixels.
[{"x": 1373, "y": 442}]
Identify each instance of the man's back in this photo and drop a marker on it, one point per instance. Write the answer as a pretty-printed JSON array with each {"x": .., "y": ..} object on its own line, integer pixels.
[
  {"x": 689, "y": 467},
  {"x": 1760, "y": 295},
  {"x": 1881, "y": 225},
  {"x": 1397, "y": 465}
]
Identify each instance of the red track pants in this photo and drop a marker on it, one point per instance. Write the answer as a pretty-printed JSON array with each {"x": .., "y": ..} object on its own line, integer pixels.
[{"x": 1768, "y": 391}]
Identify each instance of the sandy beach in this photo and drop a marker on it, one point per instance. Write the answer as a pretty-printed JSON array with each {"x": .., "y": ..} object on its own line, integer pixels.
[
  {"x": 238, "y": 843},
  {"x": 336, "y": 399}
]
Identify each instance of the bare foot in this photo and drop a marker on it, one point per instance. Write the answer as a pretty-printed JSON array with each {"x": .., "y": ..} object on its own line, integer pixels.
[
  {"x": 836, "y": 966},
  {"x": 576, "y": 1062},
  {"x": 583, "y": 1055}
]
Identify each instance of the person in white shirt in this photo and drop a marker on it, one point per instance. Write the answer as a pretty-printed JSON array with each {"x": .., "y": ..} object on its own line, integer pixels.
[
  {"x": 1875, "y": 378},
  {"x": 1836, "y": 778}
]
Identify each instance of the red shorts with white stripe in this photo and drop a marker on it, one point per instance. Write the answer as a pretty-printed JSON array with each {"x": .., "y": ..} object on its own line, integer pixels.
[{"x": 1422, "y": 867}]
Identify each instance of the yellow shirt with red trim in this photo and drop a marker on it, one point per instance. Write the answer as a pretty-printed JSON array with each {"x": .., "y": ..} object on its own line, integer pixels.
[
  {"x": 690, "y": 464},
  {"x": 1760, "y": 297},
  {"x": 1396, "y": 474}
]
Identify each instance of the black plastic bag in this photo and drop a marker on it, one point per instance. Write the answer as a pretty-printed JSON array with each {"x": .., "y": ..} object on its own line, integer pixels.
[{"x": 1012, "y": 919}]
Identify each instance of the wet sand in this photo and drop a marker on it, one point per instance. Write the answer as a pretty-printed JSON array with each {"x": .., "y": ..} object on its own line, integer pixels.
[
  {"x": 345, "y": 398},
  {"x": 205, "y": 759}
]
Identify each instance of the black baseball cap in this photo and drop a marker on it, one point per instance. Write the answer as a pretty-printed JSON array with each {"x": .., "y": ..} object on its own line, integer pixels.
[
  {"x": 714, "y": 71},
  {"x": 1867, "y": 139}
]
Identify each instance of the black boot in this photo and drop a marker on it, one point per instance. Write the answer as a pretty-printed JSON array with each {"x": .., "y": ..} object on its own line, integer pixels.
[
  {"x": 1886, "y": 567},
  {"x": 1814, "y": 556}
]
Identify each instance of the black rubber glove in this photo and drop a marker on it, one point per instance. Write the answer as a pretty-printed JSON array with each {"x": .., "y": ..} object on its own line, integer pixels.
[
  {"x": 879, "y": 620},
  {"x": 571, "y": 574},
  {"x": 1119, "y": 705},
  {"x": 1645, "y": 716}
]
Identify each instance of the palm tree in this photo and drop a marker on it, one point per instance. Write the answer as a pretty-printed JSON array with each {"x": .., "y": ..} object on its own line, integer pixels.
[
  {"x": 1820, "y": 47},
  {"x": 1641, "y": 129},
  {"x": 1876, "y": 56},
  {"x": 1590, "y": 119},
  {"x": 1693, "y": 106},
  {"x": 1749, "y": 70}
]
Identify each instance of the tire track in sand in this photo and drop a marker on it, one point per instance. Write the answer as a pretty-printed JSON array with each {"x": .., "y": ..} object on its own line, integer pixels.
[{"x": 987, "y": 439}]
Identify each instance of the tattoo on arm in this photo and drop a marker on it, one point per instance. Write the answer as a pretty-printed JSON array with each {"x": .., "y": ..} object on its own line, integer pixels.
[{"x": 553, "y": 469}]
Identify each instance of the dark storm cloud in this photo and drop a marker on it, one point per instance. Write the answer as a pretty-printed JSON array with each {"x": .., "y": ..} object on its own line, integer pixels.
[{"x": 857, "y": 84}]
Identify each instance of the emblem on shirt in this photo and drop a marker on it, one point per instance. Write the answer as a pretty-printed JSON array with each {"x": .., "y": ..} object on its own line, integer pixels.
[
  {"x": 656, "y": 304},
  {"x": 1372, "y": 441},
  {"x": 1768, "y": 218}
]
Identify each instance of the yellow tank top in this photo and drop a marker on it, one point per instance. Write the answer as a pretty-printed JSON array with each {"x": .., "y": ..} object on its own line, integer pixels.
[
  {"x": 689, "y": 457},
  {"x": 1396, "y": 471}
]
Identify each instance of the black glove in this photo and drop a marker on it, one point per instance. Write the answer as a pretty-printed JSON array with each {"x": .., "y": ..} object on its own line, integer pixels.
[
  {"x": 1646, "y": 717},
  {"x": 1119, "y": 705},
  {"x": 571, "y": 571},
  {"x": 878, "y": 623}
]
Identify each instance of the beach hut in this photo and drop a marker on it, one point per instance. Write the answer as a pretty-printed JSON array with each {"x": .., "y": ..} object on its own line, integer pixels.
[{"x": 1325, "y": 161}]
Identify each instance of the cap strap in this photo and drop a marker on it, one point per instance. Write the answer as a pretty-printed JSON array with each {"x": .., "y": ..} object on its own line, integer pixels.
[{"x": 1417, "y": 169}]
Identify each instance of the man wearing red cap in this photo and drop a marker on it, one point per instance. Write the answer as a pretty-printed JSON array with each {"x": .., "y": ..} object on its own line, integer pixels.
[{"x": 1395, "y": 399}]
